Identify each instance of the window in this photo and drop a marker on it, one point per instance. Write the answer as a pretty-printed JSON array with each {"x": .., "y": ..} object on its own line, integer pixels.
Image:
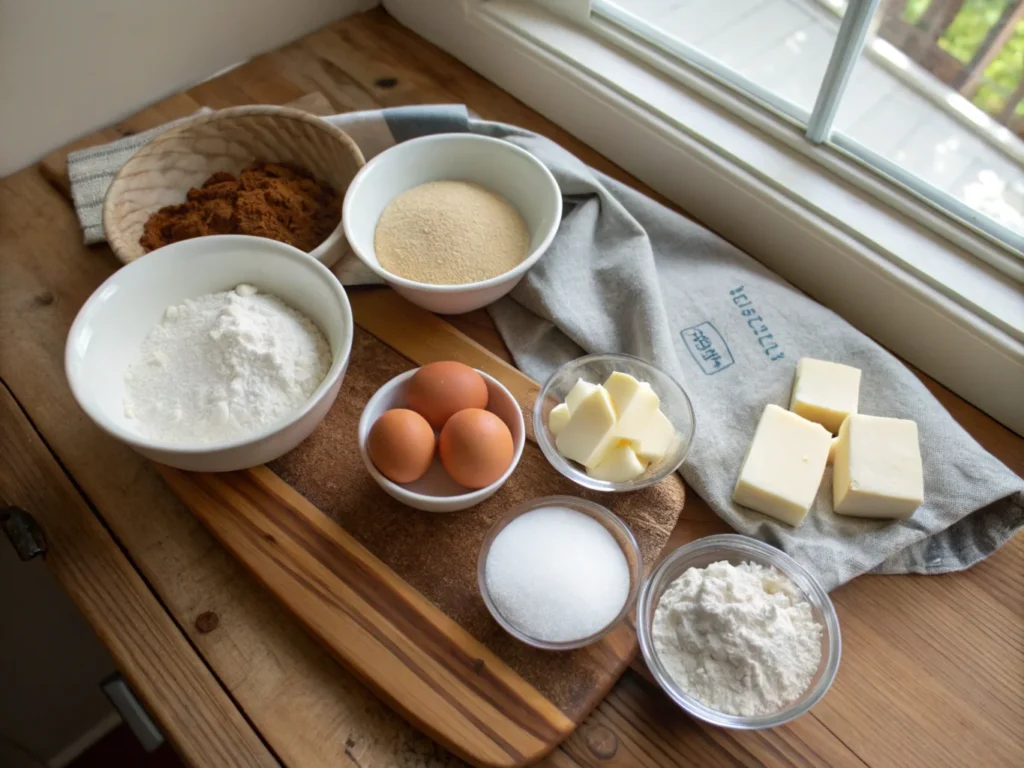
[
  {"x": 927, "y": 93},
  {"x": 779, "y": 172}
]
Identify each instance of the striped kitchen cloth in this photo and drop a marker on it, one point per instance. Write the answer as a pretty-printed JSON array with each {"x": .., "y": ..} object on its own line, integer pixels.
[{"x": 92, "y": 170}]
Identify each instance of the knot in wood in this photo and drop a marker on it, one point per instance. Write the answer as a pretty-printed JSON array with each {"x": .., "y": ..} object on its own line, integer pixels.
[
  {"x": 207, "y": 621},
  {"x": 601, "y": 741}
]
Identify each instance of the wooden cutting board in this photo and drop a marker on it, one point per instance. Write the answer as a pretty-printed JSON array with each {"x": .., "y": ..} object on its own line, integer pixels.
[{"x": 391, "y": 591}]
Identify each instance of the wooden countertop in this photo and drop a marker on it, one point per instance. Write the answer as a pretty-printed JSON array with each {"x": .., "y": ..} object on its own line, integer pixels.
[{"x": 933, "y": 667}]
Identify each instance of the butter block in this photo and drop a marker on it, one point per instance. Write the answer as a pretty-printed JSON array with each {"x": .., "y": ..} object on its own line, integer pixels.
[
  {"x": 651, "y": 439},
  {"x": 619, "y": 465},
  {"x": 784, "y": 466},
  {"x": 558, "y": 418},
  {"x": 578, "y": 393},
  {"x": 878, "y": 471},
  {"x": 825, "y": 392},
  {"x": 632, "y": 399},
  {"x": 590, "y": 431}
]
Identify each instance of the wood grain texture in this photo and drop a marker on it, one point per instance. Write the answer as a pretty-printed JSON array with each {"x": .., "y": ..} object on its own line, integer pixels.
[
  {"x": 310, "y": 710},
  {"x": 423, "y": 663},
  {"x": 915, "y": 712},
  {"x": 177, "y": 688},
  {"x": 162, "y": 172}
]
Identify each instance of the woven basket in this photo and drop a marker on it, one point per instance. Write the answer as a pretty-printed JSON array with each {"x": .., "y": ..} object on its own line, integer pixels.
[{"x": 229, "y": 140}]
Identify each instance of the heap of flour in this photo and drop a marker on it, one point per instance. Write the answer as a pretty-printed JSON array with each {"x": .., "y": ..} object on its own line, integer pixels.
[
  {"x": 741, "y": 639},
  {"x": 224, "y": 365}
]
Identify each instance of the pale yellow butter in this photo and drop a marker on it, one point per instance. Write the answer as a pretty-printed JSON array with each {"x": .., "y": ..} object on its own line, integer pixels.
[
  {"x": 589, "y": 433},
  {"x": 558, "y": 418},
  {"x": 825, "y": 392},
  {"x": 652, "y": 438},
  {"x": 784, "y": 466},
  {"x": 632, "y": 399},
  {"x": 578, "y": 393},
  {"x": 878, "y": 470},
  {"x": 619, "y": 465}
]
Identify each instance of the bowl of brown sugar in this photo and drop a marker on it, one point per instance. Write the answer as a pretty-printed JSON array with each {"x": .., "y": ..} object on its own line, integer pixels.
[
  {"x": 267, "y": 171},
  {"x": 452, "y": 221}
]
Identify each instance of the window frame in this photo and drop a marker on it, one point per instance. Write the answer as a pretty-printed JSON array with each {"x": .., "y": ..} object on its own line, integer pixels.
[{"x": 818, "y": 124}]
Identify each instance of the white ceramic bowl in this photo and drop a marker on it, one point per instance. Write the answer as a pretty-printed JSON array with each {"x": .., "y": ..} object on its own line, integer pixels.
[
  {"x": 436, "y": 491},
  {"x": 494, "y": 164},
  {"x": 111, "y": 326}
]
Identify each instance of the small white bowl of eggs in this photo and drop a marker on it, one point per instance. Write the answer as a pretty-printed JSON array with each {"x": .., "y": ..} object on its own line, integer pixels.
[{"x": 441, "y": 438}]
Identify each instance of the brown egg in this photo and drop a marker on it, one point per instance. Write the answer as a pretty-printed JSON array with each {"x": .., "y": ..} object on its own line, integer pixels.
[
  {"x": 475, "y": 447},
  {"x": 438, "y": 390},
  {"x": 401, "y": 445}
]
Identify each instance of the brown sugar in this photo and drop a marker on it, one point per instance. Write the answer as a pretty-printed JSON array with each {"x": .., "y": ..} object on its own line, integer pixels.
[{"x": 277, "y": 200}]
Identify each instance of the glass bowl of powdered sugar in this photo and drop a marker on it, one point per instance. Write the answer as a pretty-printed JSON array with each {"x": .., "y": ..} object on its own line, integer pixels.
[{"x": 738, "y": 633}]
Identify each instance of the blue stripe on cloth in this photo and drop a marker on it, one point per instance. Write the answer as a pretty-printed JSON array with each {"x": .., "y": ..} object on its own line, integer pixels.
[{"x": 411, "y": 122}]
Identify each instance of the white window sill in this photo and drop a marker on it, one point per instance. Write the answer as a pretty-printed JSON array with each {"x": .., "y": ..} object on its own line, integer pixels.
[{"x": 940, "y": 308}]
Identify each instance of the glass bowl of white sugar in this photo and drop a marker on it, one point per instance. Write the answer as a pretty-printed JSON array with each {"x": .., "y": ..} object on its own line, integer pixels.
[
  {"x": 738, "y": 633},
  {"x": 559, "y": 572}
]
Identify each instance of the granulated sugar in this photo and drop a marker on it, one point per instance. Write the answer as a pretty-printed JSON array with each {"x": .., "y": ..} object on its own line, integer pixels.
[
  {"x": 557, "y": 574},
  {"x": 450, "y": 233},
  {"x": 224, "y": 365}
]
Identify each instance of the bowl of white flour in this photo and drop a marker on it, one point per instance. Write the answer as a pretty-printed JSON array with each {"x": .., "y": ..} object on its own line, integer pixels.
[
  {"x": 738, "y": 633},
  {"x": 212, "y": 354}
]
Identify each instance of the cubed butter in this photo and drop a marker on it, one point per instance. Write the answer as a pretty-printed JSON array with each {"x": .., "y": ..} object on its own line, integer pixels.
[
  {"x": 590, "y": 432},
  {"x": 784, "y": 466},
  {"x": 632, "y": 399},
  {"x": 558, "y": 418},
  {"x": 825, "y": 392},
  {"x": 578, "y": 393},
  {"x": 878, "y": 470},
  {"x": 651, "y": 439},
  {"x": 619, "y": 465}
]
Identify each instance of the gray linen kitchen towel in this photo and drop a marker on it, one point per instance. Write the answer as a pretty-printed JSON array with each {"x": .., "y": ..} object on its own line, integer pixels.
[{"x": 626, "y": 274}]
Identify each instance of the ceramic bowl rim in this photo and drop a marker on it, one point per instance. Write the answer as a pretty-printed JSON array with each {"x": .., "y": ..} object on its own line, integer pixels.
[
  {"x": 499, "y": 145},
  {"x": 140, "y": 441},
  {"x": 462, "y": 498}
]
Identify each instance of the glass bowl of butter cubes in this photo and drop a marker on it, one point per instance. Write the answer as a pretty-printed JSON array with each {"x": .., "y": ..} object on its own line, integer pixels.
[{"x": 613, "y": 422}]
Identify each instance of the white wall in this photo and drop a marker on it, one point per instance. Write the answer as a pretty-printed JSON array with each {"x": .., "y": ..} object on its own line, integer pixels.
[{"x": 68, "y": 67}]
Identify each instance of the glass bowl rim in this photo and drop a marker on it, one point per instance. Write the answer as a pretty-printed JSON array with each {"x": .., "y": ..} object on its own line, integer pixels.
[
  {"x": 567, "y": 469},
  {"x": 607, "y": 519},
  {"x": 735, "y": 545}
]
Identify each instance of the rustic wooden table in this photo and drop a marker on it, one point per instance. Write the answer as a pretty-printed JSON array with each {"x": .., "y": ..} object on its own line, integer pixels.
[{"x": 933, "y": 668}]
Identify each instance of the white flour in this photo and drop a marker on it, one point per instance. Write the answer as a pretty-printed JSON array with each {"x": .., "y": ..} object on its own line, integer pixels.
[
  {"x": 224, "y": 365},
  {"x": 740, "y": 639}
]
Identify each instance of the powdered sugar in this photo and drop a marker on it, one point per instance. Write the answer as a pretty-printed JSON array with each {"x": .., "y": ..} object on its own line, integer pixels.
[
  {"x": 224, "y": 365},
  {"x": 740, "y": 639}
]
